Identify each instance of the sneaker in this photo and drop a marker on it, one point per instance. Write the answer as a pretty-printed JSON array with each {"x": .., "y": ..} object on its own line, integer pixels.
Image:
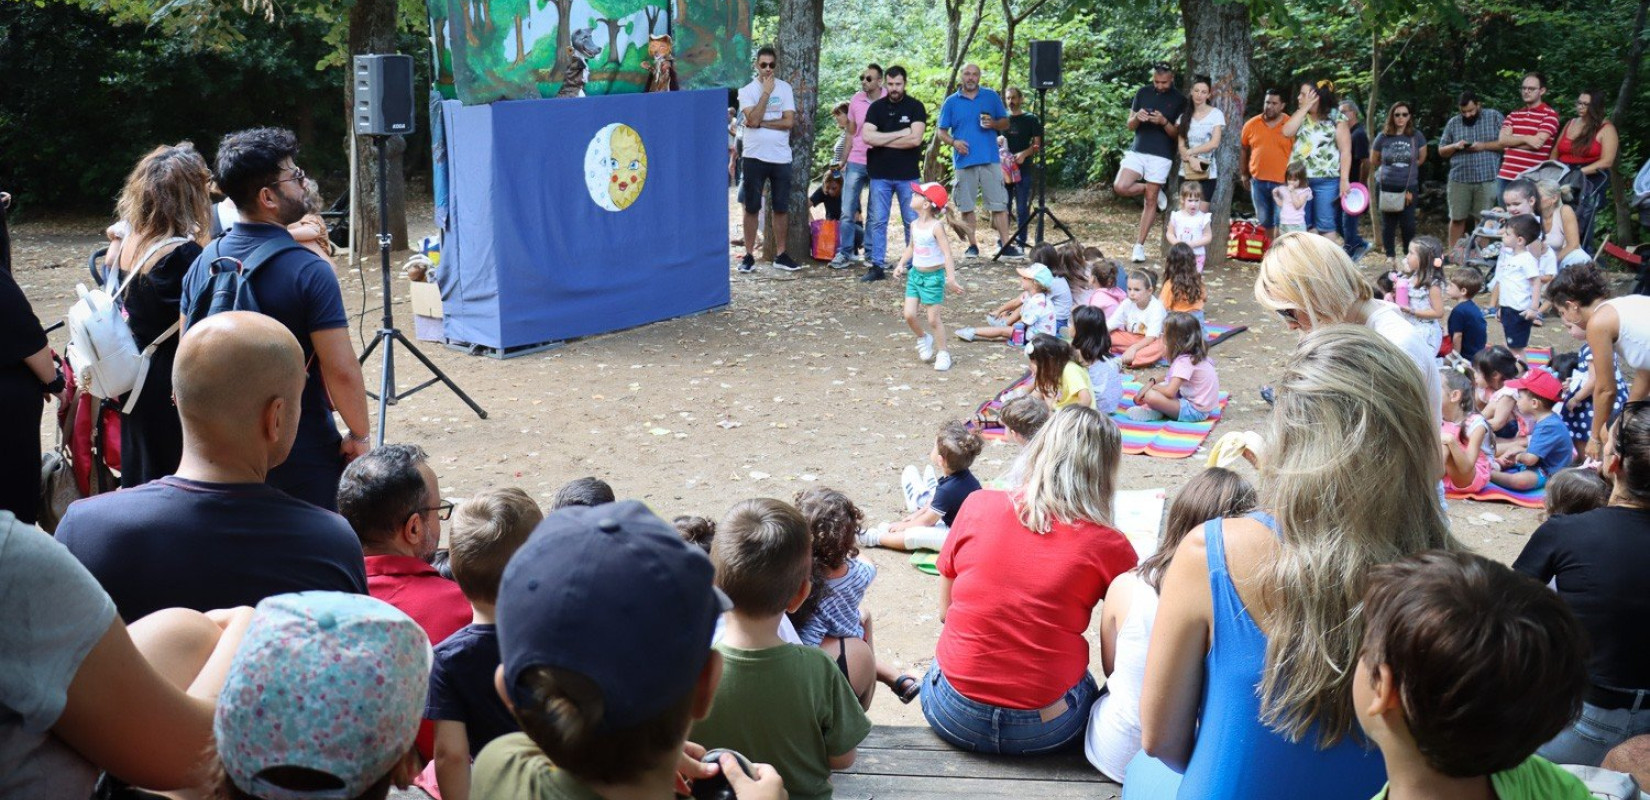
[
  {"x": 925, "y": 347},
  {"x": 875, "y": 273},
  {"x": 911, "y": 487},
  {"x": 973, "y": 251},
  {"x": 860, "y": 257},
  {"x": 747, "y": 264},
  {"x": 869, "y": 537},
  {"x": 965, "y": 334},
  {"x": 1359, "y": 251},
  {"x": 1162, "y": 200},
  {"x": 942, "y": 360},
  {"x": 783, "y": 262},
  {"x": 1010, "y": 251},
  {"x": 1142, "y": 414},
  {"x": 840, "y": 262},
  {"x": 1268, "y": 394},
  {"x": 1139, "y": 254},
  {"x": 996, "y": 322}
]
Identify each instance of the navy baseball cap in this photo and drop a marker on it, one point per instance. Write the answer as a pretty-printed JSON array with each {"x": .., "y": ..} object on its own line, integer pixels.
[{"x": 613, "y": 593}]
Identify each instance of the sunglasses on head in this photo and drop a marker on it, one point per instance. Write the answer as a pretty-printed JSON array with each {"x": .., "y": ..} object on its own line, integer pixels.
[{"x": 1289, "y": 315}]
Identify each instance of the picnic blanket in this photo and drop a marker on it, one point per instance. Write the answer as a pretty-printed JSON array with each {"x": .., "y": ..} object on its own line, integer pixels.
[
  {"x": 1539, "y": 357},
  {"x": 1217, "y": 333},
  {"x": 1535, "y": 498},
  {"x": 1162, "y": 438}
]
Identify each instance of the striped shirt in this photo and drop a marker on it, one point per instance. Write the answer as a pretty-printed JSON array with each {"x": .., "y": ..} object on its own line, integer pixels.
[
  {"x": 1528, "y": 122},
  {"x": 838, "y": 611}
]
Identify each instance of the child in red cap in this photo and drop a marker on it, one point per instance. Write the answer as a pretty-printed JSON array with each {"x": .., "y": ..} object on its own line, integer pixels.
[
  {"x": 1549, "y": 449},
  {"x": 932, "y": 272}
]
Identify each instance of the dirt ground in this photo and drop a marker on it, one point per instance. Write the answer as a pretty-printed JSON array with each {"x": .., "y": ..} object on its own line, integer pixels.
[{"x": 803, "y": 381}]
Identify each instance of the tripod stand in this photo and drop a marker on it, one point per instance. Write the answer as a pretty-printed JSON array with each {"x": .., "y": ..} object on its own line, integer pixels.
[
  {"x": 1041, "y": 211},
  {"x": 388, "y": 335}
]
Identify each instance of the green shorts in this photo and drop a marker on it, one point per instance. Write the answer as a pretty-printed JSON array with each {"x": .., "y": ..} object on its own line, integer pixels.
[
  {"x": 927, "y": 285},
  {"x": 1469, "y": 199}
]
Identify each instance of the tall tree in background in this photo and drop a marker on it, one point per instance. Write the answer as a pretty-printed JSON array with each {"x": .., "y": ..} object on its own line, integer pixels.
[
  {"x": 957, "y": 55},
  {"x": 1219, "y": 44},
  {"x": 1011, "y": 21},
  {"x": 801, "y": 26},
  {"x": 1620, "y": 184},
  {"x": 372, "y": 29}
]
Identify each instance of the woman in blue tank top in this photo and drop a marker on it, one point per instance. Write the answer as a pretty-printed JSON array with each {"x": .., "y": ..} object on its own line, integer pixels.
[{"x": 1248, "y": 679}]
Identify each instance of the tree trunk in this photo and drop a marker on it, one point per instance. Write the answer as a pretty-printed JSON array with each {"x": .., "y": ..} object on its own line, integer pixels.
[
  {"x": 931, "y": 160},
  {"x": 801, "y": 25},
  {"x": 1218, "y": 44},
  {"x": 564, "y": 35},
  {"x": 372, "y": 29},
  {"x": 1620, "y": 183},
  {"x": 652, "y": 13},
  {"x": 1373, "y": 103},
  {"x": 612, "y": 39},
  {"x": 521, "y": 46},
  {"x": 1009, "y": 23}
]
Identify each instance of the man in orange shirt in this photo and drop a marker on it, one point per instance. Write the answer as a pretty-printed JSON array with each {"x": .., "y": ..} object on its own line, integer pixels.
[{"x": 1265, "y": 158}]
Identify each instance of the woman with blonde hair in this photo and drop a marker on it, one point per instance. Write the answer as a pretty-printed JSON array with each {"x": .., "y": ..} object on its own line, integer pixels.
[
  {"x": 1248, "y": 685},
  {"x": 1022, "y": 572},
  {"x": 1560, "y": 228},
  {"x": 1312, "y": 283},
  {"x": 163, "y": 219}
]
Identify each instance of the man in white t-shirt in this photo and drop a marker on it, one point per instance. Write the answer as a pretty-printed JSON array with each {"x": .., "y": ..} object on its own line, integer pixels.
[{"x": 767, "y": 110}]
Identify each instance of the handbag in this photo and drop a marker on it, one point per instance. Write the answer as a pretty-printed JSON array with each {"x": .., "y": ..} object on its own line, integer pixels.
[
  {"x": 1189, "y": 170},
  {"x": 1392, "y": 202},
  {"x": 825, "y": 238}
]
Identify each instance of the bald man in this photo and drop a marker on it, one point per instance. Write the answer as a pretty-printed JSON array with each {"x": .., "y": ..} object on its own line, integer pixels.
[
  {"x": 970, "y": 120},
  {"x": 216, "y": 535}
]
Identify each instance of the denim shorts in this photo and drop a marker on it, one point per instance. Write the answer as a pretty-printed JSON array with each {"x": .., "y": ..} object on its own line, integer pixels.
[
  {"x": 985, "y": 728},
  {"x": 1190, "y": 413},
  {"x": 1516, "y": 327},
  {"x": 1595, "y": 733}
]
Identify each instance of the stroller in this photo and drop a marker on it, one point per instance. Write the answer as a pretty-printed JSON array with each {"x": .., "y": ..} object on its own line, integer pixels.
[
  {"x": 1481, "y": 247},
  {"x": 88, "y": 436}
]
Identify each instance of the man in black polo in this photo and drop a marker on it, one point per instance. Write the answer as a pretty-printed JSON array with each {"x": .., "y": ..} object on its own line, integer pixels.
[{"x": 893, "y": 132}]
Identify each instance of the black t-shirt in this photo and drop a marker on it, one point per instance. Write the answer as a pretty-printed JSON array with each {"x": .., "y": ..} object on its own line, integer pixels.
[
  {"x": 1022, "y": 128},
  {"x": 950, "y": 493},
  {"x": 1600, "y": 559},
  {"x": 1149, "y": 138},
  {"x": 891, "y": 163},
  {"x": 177, "y": 543},
  {"x": 152, "y": 302},
  {"x": 1360, "y": 150},
  {"x": 20, "y": 336},
  {"x": 833, "y": 203},
  {"x": 461, "y": 686}
]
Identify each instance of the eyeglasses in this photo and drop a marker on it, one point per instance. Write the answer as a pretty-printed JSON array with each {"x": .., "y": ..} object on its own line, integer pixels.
[
  {"x": 1400, "y": 115},
  {"x": 1530, "y": 88},
  {"x": 297, "y": 177},
  {"x": 446, "y": 509},
  {"x": 764, "y": 65}
]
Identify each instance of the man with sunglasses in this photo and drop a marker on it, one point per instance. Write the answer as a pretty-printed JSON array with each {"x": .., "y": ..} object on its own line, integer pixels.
[
  {"x": 392, "y": 499},
  {"x": 300, "y": 290},
  {"x": 767, "y": 109},
  {"x": 855, "y": 177},
  {"x": 1527, "y": 134},
  {"x": 1472, "y": 143}
]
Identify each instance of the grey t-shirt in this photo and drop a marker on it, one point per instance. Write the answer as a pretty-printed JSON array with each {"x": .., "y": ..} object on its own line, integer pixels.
[{"x": 52, "y": 612}]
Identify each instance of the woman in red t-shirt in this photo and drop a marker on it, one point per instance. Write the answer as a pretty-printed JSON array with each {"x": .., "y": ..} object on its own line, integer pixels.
[
  {"x": 1588, "y": 143},
  {"x": 1023, "y": 572}
]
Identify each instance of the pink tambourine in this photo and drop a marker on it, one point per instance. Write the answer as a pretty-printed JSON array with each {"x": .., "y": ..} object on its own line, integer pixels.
[{"x": 1356, "y": 201}]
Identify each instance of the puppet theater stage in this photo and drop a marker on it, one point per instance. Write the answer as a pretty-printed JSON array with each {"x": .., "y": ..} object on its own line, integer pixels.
[{"x": 570, "y": 217}]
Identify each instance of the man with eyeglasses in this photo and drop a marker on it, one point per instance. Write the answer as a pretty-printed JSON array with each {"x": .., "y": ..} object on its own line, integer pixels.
[
  {"x": 855, "y": 177},
  {"x": 767, "y": 109},
  {"x": 1472, "y": 142},
  {"x": 1527, "y": 134},
  {"x": 1154, "y": 117},
  {"x": 300, "y": 290},
  {"x": 392, "y": 499}
]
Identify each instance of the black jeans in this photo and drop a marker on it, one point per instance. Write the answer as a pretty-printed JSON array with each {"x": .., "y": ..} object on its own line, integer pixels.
[{"x": 1391, "y": 222}]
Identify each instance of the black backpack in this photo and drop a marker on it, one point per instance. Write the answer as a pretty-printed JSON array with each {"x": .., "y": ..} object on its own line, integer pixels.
[{"x": 228, "y": 285}]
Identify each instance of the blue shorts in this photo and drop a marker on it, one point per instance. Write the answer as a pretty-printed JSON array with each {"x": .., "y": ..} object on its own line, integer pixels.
[
  {"x": 1190, "y": 413},
  {"x": 1540, "y": 474},
  {"x": 1516, "y": 327}
]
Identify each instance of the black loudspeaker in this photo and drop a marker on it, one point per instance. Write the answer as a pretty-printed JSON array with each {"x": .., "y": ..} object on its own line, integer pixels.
[
  {"x": 1045, "y": 64},
  {"x": 383, "y": 95}
]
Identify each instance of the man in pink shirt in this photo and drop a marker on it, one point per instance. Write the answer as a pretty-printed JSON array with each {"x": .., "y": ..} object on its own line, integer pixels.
[
  {"x": 391, "y": 498},
  {"x": 855, "y": 178},
  {"x": 1527, "y": 134}
]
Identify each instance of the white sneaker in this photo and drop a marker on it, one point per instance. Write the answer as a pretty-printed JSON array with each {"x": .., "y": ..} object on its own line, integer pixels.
[
  {"x": 925, "y": 347},
  {"x": 995, "y": 321},
  {"x": 1139, "y": 254},
  {"x": 942, "y": 360},
  {"x": 911, "y": 486},
  {"x": 965, "y": 334},
  {"x": 1143, "y": 414},
  {"x": 1162, "y": 200}
]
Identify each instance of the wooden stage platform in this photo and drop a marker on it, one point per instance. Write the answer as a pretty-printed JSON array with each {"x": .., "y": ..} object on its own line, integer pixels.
[{"x": 911, "y": 763}]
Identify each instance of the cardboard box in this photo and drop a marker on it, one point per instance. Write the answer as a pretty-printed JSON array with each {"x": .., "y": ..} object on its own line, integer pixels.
[{"x": 426, "y": 299}]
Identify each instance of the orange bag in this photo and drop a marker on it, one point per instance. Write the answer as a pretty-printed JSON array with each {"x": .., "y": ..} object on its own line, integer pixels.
[{"x": 826, "y": 234}]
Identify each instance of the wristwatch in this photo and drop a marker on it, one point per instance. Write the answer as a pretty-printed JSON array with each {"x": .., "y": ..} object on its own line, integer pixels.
[
  {"x": 56, "y": 386},
  {"x": 365, "y": 438}
]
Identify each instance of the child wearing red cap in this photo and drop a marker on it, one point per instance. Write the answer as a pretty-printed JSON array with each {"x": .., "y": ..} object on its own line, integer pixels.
[
  {"x": 932, "y": 272},
  {"x": 1549, "y": 448}
]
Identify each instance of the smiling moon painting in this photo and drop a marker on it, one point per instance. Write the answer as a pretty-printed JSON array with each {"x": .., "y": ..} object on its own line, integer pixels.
[{"x": 615, "y": 166}]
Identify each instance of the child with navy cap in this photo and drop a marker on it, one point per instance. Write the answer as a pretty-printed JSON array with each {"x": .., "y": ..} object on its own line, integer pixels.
[
  {"x": 778, "y": 702},
  {"x": 605, "y": 618}
]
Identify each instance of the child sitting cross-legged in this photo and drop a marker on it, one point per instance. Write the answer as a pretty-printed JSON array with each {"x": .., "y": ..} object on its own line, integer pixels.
[
  {"x": 777, "y": 702},
  {"x": 1183, "y": 288},
  {"x": 1549, "y": 448},
  {"x": 1137, "y": 324},
  {"x": 1192, "y": 392},
  {"x": 1022, "y": 418},
  {"x": 1466, "y": 331},
  {"x": 322, "y": 700},
  {"x": 1466, "y": 668},
  {"x": 933, "y": 509},
  {"x": 1092, "y": 342},
  {"x": 1056, "y": 376},
  {"x": 468, "y": 713},
  {"x": 1469, "y": 444}
]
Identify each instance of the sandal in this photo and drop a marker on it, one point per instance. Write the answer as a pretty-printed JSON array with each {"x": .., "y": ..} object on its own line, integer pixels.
[{"x": 906, "y": 688}]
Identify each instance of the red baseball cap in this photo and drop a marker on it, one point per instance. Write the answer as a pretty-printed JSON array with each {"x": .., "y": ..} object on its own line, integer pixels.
[
  {"x": 935, "y": 193},
  {"x": 1540, "y": 383}
]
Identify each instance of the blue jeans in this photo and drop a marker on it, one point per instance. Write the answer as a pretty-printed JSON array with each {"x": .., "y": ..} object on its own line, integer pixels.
[
  {"x": 854, "y": 181},
  {"x": 1326, "y": 197},
  {"x": 1266, "y": 209},
  {"x": 1022, "y": 195},
  {"x": 1350, "y": 235},
  {"x": 1004, "y": 731},
  {"x": 883, "y": 192},
  {"x": 1592, "y": 735}
]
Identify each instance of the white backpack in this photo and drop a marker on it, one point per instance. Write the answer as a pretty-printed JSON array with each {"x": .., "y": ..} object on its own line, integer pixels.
[{"x": 102, "y": 350}]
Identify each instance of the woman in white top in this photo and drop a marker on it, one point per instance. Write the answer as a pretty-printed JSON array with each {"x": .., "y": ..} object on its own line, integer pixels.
[
  {"x": 1618, "y": 328},
  {"x": 1113, "y": 737},
  {"x": 1200, "y": 130},
  {"x": 1562, "y": 231}
]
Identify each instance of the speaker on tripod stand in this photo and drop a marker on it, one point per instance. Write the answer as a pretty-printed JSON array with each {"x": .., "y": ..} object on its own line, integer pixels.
[
  {"x": 383, "y": 108},
  {"x": 1046, "y": 74}
]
